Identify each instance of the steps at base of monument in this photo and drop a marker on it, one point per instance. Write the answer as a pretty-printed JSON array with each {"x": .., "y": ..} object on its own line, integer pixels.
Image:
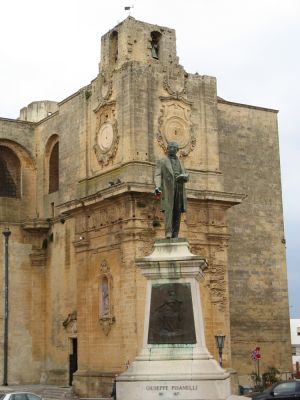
[
  {"x": 59, "y": 393},
  {"x": 95, "y": 398}
]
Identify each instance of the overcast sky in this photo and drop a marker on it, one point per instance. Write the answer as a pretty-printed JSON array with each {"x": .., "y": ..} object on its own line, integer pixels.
[{"x": 49, "y": 49}]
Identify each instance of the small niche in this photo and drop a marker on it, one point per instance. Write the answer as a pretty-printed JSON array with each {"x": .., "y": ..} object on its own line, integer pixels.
[
  {"x": 155, "y": 44},
  {"x": 113, "y": 51}
]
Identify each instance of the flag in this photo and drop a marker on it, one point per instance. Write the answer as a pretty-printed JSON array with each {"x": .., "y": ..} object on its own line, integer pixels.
[{"x": 255, "y": 354}]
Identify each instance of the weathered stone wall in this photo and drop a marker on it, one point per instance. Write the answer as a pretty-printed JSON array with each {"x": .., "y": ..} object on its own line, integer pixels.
[
  {"x": 37, "y": 110},
  {"x": 144, "y": 96},
  {"x": 259, "y": 313},
  {"x": 19, "y": 138},
  {"x": 109, "y": 236},
  {"x": 69, "y": 126},
  {"x": 133, "y": 43},
  {"x": 26, "y": 293},
  {"x": 104, "y": 216},
  {"x": 60, "y": 302}
]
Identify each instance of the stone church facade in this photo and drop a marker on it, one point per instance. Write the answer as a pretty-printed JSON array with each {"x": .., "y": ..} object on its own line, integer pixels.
[{"x": 76, "y": 191}]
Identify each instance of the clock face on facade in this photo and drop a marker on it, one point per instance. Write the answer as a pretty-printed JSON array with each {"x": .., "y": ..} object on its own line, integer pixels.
[
  {"x": 176, "y": 130},
  {"x": 105, "y": 137}
]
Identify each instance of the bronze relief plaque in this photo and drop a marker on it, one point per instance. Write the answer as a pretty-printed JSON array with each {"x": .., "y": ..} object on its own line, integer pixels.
[{"x": 171, "y": 314}]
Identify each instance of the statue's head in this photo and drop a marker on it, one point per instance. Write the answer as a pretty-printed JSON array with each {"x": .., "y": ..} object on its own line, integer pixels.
[{"x": 172, "y": 148}]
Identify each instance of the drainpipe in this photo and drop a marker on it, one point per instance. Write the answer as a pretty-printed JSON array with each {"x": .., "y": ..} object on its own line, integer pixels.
[{"x": 6, "y": 234}]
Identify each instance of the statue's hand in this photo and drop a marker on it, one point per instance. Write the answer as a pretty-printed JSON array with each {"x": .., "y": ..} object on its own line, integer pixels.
[
  {"x": 157, "y": 193},
  {"x": 182, "y": 178}
]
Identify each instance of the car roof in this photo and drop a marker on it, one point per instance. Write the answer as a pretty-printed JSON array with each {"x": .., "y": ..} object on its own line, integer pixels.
[{"x": 20, "y": 392}]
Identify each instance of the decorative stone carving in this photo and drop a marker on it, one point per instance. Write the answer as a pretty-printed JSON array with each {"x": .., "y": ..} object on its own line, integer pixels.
[
  {"x": 105, "y": 86},
  {"x": 106, "y": 215},
  {"x": 217, "y": 282},
  {"x": 175, "y": 125},
  {"x": 218, "y": 285},
  {"x": 106, "y": 138},
  {"x": 70, "y": 323},
  {"x": 106, "y": 317},
  {"x": 175, "y": 82}
]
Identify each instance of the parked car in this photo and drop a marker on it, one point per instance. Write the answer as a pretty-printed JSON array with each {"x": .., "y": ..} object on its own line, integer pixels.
[
  {"x": 286, "y": 390},
  {"x": 19, "y": 396},
  {"x": 245, "y": 390}
]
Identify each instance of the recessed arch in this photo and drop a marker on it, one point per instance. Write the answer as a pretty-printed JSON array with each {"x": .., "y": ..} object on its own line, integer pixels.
[
  {"x": 113, "y": 47},
  {"x": 24, "y": 155},
  {"x": 155, "y": 44},
  {"x": 54, "y": 169},
  {"x": 10, "y": 173},
  {"x": 52, "y": 163}
]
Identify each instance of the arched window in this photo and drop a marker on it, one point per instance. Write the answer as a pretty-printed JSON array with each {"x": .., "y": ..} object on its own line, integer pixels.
[
  {"x": 155, "y": 38},
  {"x": 54, "y": 169},
  {"x": 10, "y": 173},
  {"x": 113, "y": 47}
]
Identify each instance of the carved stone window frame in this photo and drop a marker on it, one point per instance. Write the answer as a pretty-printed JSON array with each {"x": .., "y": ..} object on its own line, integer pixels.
[{"x": 106, "y": 312}]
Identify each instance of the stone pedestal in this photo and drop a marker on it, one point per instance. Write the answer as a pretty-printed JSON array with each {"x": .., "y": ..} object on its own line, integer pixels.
[{"x": 174, "y": 362}]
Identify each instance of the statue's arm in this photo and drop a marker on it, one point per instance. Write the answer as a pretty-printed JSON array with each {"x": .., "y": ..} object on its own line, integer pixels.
[{"x": 184, "y": 176}]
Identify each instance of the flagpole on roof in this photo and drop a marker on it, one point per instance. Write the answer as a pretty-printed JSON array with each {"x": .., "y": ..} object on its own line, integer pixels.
[{"x": 128, "y": 8}]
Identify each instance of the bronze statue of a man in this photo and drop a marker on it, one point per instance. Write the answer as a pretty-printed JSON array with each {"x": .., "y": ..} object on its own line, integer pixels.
[{"x": 170, "y": 177}]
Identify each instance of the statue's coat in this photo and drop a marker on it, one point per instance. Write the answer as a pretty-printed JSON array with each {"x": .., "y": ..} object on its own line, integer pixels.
[{"x": 165, "y": 180}]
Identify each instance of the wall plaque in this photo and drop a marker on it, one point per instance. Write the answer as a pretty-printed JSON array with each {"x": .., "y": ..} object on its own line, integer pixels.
[{"x": 171, "y": 314}]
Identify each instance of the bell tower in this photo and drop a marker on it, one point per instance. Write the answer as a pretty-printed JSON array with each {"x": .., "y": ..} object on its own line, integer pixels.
[
  {"x": 134, "y": 40},
  {"x": 141, "y": 100}
]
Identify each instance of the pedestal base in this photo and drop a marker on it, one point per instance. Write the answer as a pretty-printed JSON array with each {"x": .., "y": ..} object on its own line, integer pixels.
[
  {"x": 174, "y": 362},
  {"x": 174, "y": 379}
]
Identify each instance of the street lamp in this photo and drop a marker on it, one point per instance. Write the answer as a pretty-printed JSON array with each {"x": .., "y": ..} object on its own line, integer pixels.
[
  {"x": 6, "y": 234},
  {"x": 220, "y": 345}
]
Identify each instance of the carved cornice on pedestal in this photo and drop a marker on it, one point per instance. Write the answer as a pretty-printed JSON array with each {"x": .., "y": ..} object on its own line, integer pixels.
[{"x": 171, "y": 258}]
